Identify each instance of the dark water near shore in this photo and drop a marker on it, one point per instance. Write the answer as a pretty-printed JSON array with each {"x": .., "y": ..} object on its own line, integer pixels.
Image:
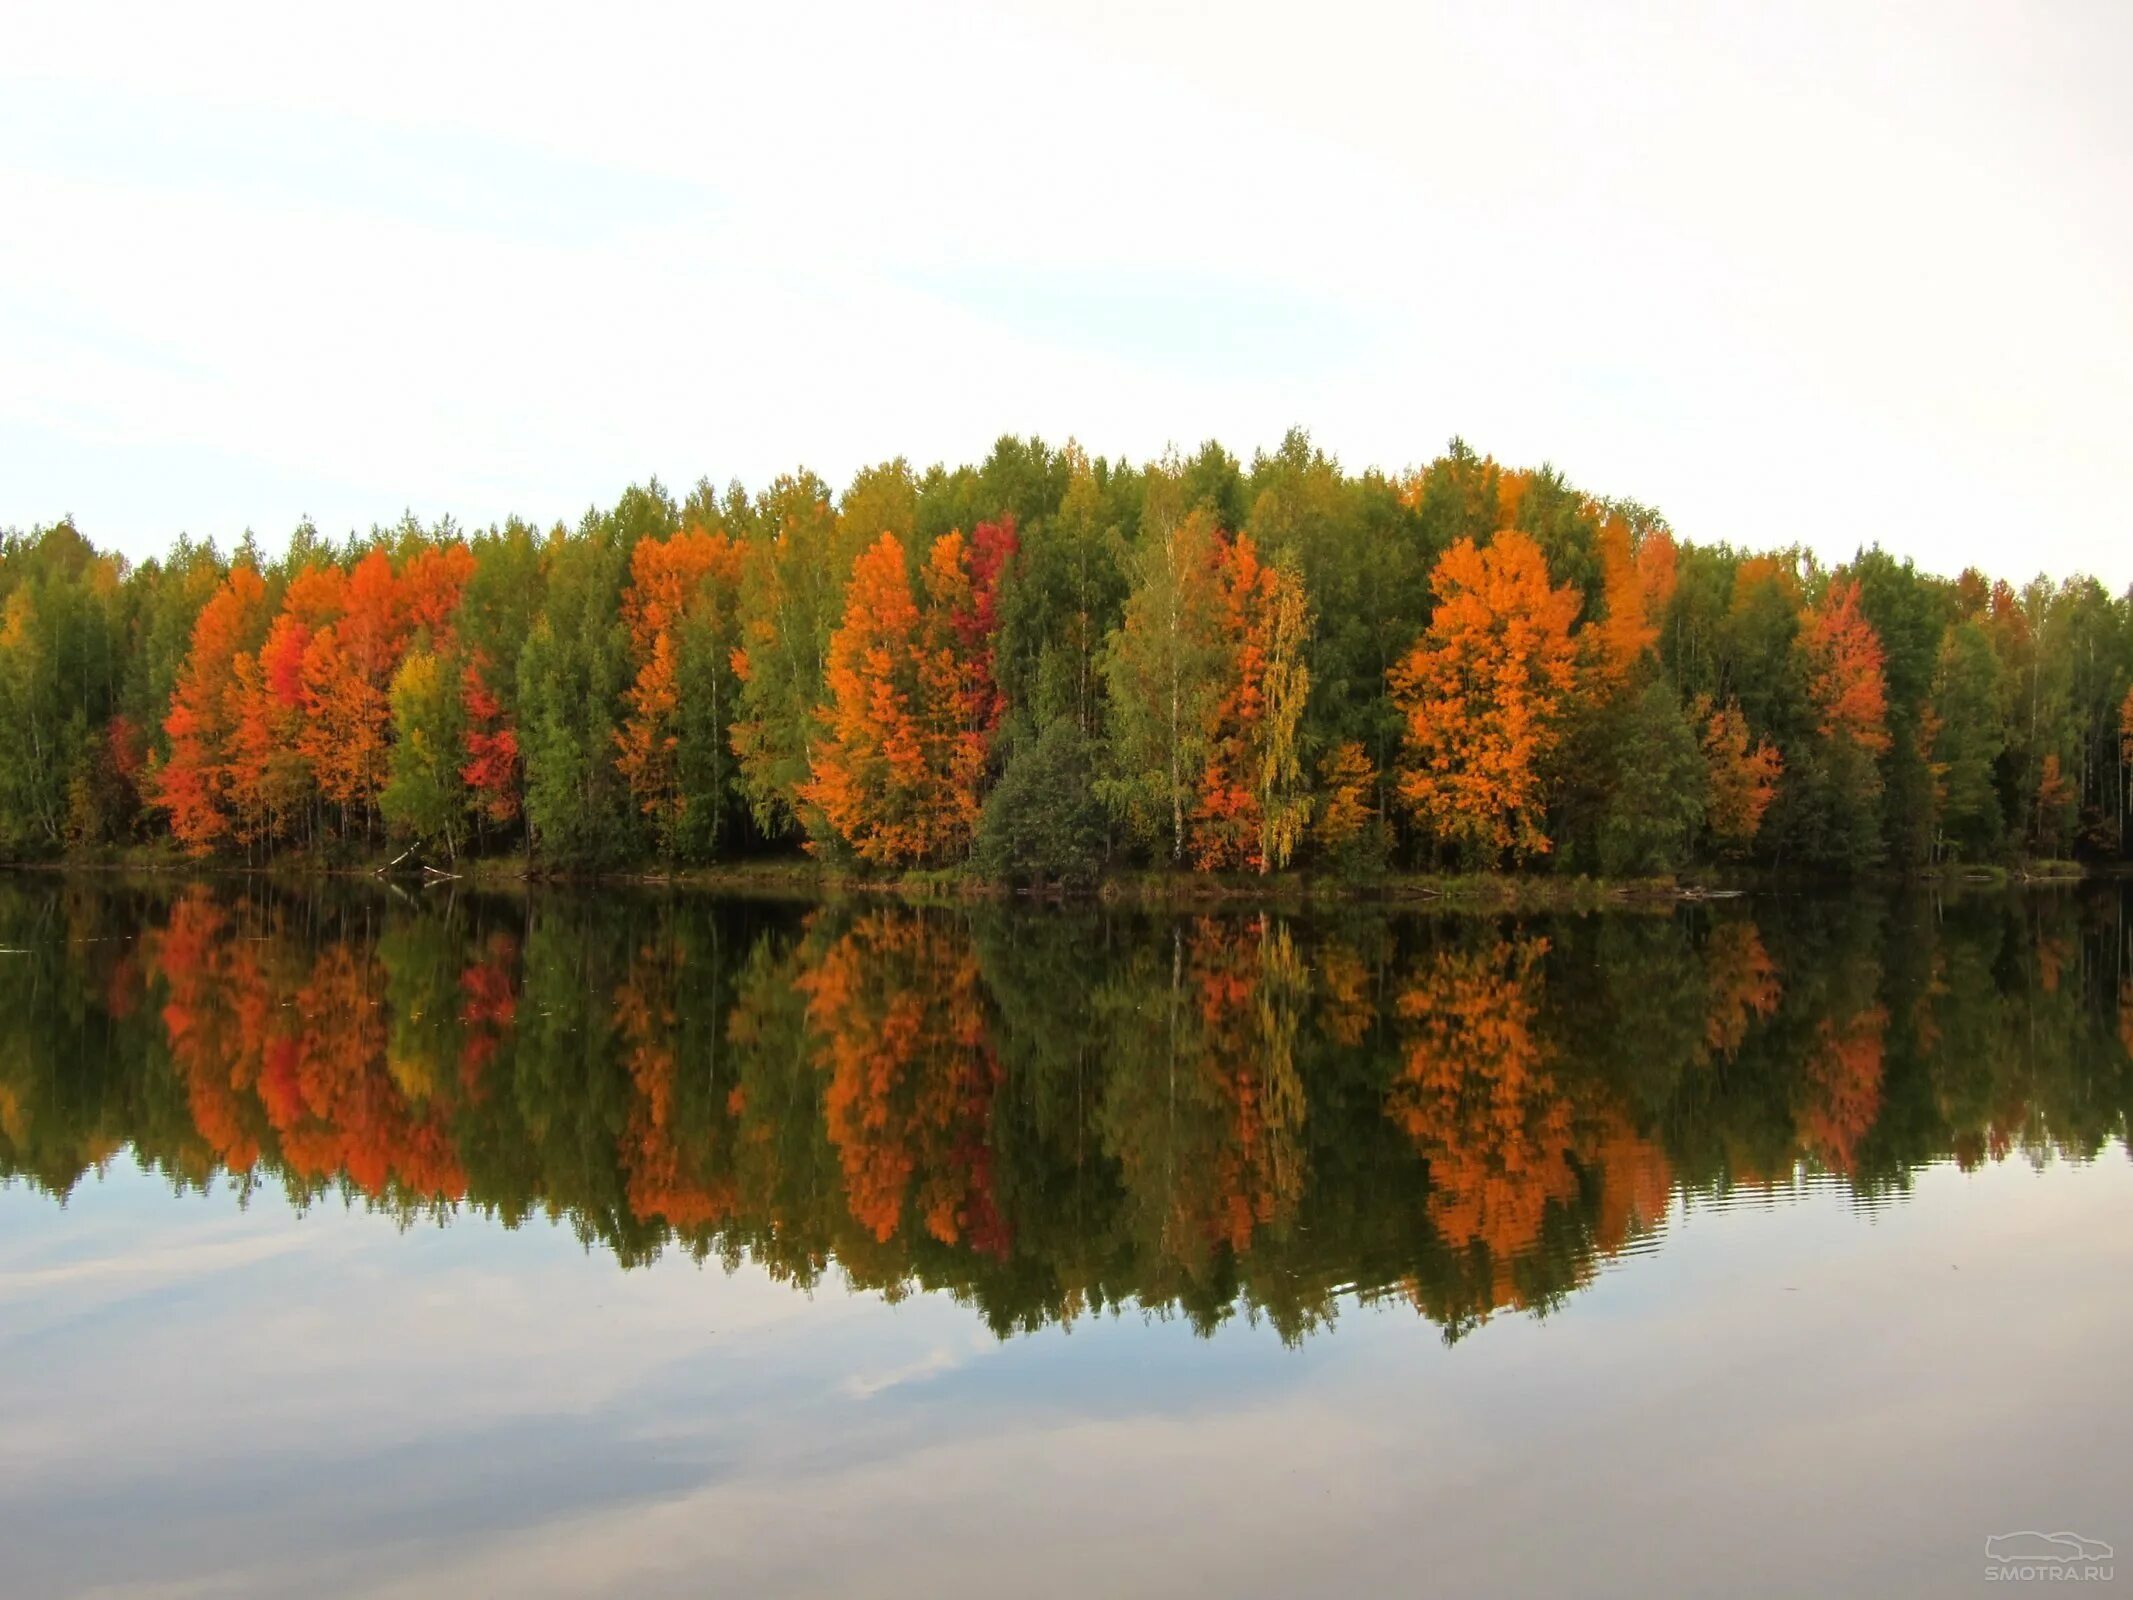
[{"x": 383, "y": 1242}]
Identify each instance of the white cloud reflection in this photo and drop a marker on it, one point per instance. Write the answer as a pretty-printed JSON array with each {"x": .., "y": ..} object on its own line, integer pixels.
[{"x": 470, "y": 1411}]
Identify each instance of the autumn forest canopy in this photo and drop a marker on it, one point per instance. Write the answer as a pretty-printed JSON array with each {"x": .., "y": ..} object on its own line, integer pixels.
[{"x": 1047, "y": 666}]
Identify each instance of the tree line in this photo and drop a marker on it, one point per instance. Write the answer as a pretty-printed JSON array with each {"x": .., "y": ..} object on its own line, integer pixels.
[
  {"x": 1048, "y": 665},
  {"x": 1048, "y": 1115}
]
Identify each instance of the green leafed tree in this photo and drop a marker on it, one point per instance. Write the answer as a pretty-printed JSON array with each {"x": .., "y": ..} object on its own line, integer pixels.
[
  {"x": 1163, "y": 668},
  {"x": 426, "y": 798},
  {"x": 792, "y": 598},
  {"x": 1656, "y": 801},
  {"x": 572, "y": 673},
  {"x": 1043, "y": 822},
  {"x": 1969, "y": 734}
]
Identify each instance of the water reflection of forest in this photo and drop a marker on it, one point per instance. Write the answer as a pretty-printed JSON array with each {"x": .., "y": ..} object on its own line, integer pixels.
[{"x": 1045, "y": 1114}]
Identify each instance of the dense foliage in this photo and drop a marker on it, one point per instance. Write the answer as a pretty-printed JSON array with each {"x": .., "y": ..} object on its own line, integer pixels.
[{"x": 1199, "y": 663}]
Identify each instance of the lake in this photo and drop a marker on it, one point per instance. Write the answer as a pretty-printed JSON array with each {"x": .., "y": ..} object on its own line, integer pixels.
[{"x": 372, "y": 1240}]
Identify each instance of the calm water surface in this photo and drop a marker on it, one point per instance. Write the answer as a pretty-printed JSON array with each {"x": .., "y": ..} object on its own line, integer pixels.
[{"x": 386, "y": 1242}]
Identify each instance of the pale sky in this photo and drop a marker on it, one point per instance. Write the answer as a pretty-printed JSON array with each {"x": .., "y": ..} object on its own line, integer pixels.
[{"x": 1827, "y": 273}]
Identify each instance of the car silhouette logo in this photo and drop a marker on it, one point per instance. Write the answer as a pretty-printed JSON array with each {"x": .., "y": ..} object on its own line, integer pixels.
[{"x": 2032, "y": 1546}]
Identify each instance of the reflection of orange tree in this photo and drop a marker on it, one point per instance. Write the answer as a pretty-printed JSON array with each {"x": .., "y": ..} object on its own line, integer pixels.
[
  {"x": 330, "y": 1095},
  {"x": 1346, "y": 1006},
  {"x": 1636, "y": 1180},
  {"x": 1533, "y": 1175},
  {"x": 317, "y": 1064},
  {"x": 2054, "y": 951},
  {"x": 1843, "y": 1087},
  {"x": 897, "y": 1014},
  {"x": 663, "y": 1181},
  {"x": 1744, "y": 985},
  {"x": 209, "y": 1043},
  {"x": 1475, "y": 1096}
]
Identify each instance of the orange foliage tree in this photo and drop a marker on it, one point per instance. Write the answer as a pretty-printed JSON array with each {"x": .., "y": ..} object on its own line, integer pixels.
[
  {"x": 1844, "y": 670},
  {"x": 428, "y": 591},
  {"x": 2055, "y": 804},
  {"x": 1743, "y": 781},
  {"x": 193, "y": 785},
  {"x": 1251, "y": 808},
  {"x": 1481, "y": 695},
  {"x": 691, "y": 580},
  {"x": 912, "y": 706},
  {"x": 355, "y": 632},
  {"x": 347, "y": 674},
  {"x": 347, "y": 717},
  {"x": 268, "y": 777},
  {"x": 269, "y": 774},
  {"x": 1638, "y": 581}
]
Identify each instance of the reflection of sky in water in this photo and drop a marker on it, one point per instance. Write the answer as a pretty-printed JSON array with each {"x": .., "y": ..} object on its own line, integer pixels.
[{"x": 203, "y": 1400}]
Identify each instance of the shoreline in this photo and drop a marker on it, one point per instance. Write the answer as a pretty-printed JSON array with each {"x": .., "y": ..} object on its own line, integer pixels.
[{"x": 1148, "y": 888}]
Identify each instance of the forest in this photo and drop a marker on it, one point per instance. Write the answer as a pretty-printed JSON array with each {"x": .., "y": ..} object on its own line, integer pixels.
[
  {"x": 1054, "y": 1113},
  {"x": 1048, "y": 667}
]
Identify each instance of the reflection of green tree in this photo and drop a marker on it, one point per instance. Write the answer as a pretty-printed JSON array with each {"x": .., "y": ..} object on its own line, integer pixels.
[
  {"x": 75, "y": 1028},
  {"x": 1203, "y": 1110},
  {"x": 782, "y": 1154},
  {"x": 1630, "y": 1002},
  {"x": 1055, "y": 1177}
]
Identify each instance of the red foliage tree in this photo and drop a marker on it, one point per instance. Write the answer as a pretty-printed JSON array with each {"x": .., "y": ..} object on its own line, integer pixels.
[{"x": 492, "y": 767}]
